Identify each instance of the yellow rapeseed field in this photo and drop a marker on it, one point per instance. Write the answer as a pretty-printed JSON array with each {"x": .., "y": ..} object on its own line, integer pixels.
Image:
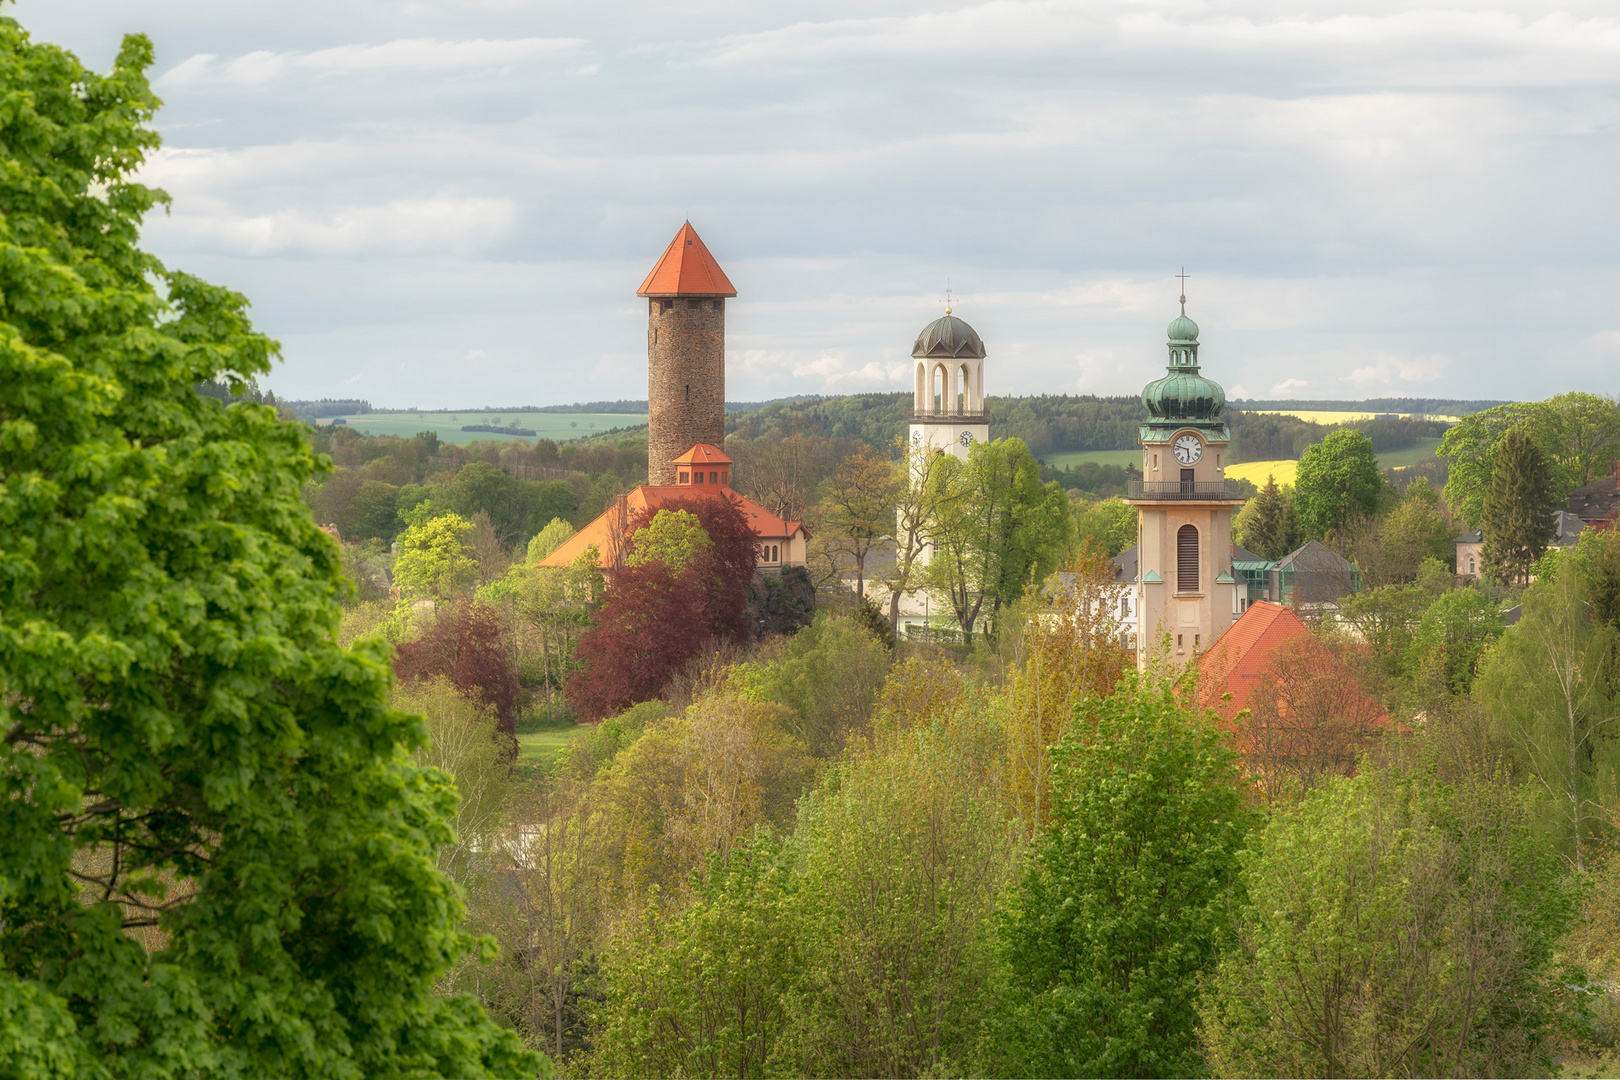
[
  {"x": 1323, "y": 416},
  {"x": 1257, "y": 471}
]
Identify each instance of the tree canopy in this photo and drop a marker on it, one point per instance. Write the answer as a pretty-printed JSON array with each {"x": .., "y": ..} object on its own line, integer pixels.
[
  {"x": 216, "y": 857},
  {"x": 1337, "y": 477}
]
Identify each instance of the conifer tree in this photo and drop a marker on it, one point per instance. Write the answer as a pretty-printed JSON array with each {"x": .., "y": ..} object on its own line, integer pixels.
[
  {"x": 1518, "y": 508},
  {"x": 1270, "y": 529}
]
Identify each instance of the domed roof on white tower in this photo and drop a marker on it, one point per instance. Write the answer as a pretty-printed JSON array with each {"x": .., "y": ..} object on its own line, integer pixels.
[{"x": 948, "y": 337}]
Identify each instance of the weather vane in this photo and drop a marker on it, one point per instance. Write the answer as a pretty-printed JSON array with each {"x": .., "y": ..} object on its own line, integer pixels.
[{"x": 1184, "y": 276}]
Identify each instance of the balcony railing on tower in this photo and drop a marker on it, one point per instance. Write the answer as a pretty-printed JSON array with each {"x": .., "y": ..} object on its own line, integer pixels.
[{"x": 1191, "y": 490}]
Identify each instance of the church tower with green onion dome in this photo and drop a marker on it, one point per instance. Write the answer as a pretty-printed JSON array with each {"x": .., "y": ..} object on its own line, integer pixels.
[{"x": 1184, "y": 587}]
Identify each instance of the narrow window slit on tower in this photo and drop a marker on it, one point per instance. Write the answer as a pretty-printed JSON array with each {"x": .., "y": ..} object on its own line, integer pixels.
[{"x": 1187, "y": 559}]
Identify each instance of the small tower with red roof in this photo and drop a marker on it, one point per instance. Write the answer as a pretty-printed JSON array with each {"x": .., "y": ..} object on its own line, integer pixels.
[{"x": 686, "y": 353}]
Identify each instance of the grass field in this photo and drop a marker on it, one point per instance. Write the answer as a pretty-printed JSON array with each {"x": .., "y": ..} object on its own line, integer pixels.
[
  {"x": 538, "y": 750},
  {"x": 1411, "y": 455},
  {"x": 1063, "y": 459},
  {"x": 557, "y": 426}
]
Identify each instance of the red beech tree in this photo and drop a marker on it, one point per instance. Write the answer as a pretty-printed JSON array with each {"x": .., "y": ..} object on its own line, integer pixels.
[
  {"x": 467, "y": 644},
  {"x": 655, "y": 618}
]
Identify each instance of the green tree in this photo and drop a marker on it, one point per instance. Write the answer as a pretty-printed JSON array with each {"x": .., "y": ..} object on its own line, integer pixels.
[
  {"x": 856, "y": 512},
  {"x": 672, "y": 537},
  {"x": 216, "y": 857},
  {"x": 1549, "y": 687},
  {"x": 706, "y": 992},
  {"x": 1455, "y": 633},
  {"x": 433, "y": 561},
  {"x": 375, "y": 515},
  {"x": 1337, "y": 477},
  {"x": 1579, "y": 433},
  {"x": 1394, "y": 927},
  {"x": 1415, "y": 529},
  {"x": 1387, "y": 618},
  {"x": 1110, "y": 524},
  {"x": 1267, "y": 524},
  {"x": 996, "y": 528},
  {"x": 1518, "y": 513},
  {"x": 902, "y": 852},
  {"x": 1128, "y": 892},
  {"x": 556, "y": 533}
]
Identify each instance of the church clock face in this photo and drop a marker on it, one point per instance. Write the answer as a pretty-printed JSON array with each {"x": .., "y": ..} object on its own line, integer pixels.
[
  {"x": 966, "y": 438},
  {"x": 1189, "y": 448}
]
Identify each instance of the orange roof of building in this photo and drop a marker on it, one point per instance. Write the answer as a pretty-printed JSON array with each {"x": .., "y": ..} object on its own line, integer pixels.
[
  {"x": 686, "y": 269},
  {"x": 608, "y": 531},
  {"x": 1237, "y": 661},
  {"x": 704, "y": 454}
]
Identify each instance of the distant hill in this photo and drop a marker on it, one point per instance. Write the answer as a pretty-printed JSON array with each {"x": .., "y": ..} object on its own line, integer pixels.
[{"x": 1431, "y": 406}]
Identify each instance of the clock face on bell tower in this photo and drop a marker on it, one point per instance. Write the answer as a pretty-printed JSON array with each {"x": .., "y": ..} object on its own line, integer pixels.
[{"x": 1189, "y": 448}]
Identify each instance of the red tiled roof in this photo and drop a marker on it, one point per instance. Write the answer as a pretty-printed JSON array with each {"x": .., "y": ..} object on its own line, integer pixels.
[
  {"x": 686, "y": 269},
  {"x": 1236, "y": 662},
  {"x": 607, "y": 531},
  {"x": 1240, "y": 659},
  {"x": 703, "y": 452}
]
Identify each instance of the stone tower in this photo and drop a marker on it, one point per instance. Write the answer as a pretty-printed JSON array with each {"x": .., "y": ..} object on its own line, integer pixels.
[
  {"x": 1185, "y": 587},
  {"x": 686, "y": 353}
]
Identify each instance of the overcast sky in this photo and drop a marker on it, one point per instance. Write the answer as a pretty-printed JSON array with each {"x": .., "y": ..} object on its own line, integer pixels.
[{"x": 452, "y": 202}]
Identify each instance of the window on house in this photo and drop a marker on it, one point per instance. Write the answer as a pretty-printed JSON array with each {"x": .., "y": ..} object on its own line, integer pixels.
[
  {"x": 1178, "y": 643},
  {"x": 694, "y": 304},
  {"x": 1470, "y": 564},
  {"x": 1124, "y": 605},
  {"x": 666, "y": 305},
  {"x": 686, "y": 478},
  {"x": 776, "y": 553},
  {"x": 1187, "y": 559},
  {"x": 699, "y": 477},
  {"x": 725, "y": 476},
  {"x": 714, "y": 478},
  {"x": 1196, "y": 639}
]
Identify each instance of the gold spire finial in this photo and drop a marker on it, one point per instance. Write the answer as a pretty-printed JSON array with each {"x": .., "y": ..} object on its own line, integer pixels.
[{"x": 1184, "y": 276}]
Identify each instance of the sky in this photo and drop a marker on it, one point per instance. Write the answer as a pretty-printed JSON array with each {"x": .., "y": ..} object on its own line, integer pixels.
[{"x": 451, "y": 203}]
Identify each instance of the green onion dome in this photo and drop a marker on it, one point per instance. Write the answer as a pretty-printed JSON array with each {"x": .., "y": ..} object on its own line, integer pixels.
[
  {"x": 950, "y": 337},
  {"x": 1183, "y": 394}
]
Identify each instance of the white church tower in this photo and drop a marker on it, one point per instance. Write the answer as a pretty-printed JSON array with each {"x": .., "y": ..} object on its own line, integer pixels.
[{"x": 947, "y": 412}]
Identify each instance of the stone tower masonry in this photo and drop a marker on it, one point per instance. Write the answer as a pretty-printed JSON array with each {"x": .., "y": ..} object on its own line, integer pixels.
[{"x": 686, "y": 353}]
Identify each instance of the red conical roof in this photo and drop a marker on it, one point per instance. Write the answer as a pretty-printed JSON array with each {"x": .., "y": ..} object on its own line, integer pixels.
[{"x": 686, "y": 269}]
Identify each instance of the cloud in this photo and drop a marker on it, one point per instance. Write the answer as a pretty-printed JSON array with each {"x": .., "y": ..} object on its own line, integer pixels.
[
  {"x": 460, "y": 225},
  {"x": 1367, "y": 196},
  {"x": 411, "y": 57},
  {"x": 1395, "y": 371}
]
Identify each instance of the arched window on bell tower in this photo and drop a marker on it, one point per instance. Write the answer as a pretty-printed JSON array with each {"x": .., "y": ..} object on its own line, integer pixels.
[{"x": 1187, "y": 559}]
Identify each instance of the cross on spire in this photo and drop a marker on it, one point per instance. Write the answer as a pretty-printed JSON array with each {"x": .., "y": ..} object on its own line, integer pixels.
[
  {"x": 947, "y": 296},
  {"x": 1184, "y": 276}
]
